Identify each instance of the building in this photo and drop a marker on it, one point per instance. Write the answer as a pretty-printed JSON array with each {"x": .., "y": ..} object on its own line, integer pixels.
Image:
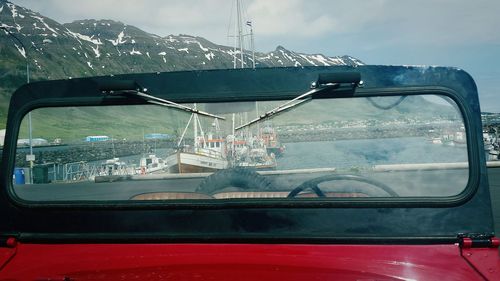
[{"x": 97, "y": 138}]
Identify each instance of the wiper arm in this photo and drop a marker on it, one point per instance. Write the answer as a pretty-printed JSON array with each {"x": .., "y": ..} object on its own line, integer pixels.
[
  {"x": 131, "y": 88},
  {"x": 171, "y": 104},
  {"x": 325, "y": 83},
  {"x": 288, "y": 105}
]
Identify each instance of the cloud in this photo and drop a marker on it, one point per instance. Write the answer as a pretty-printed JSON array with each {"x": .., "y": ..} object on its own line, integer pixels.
[
  {"x": 391, "y": 21},
  {"x": 293, "y": 17},
  {"x": 313, "y": 18},
  {"x": 452, "y": 32},
  {"x": 388, "y": 21},
  {"x": 443, "y": 22},
  {"x": 163, "y": 17}
]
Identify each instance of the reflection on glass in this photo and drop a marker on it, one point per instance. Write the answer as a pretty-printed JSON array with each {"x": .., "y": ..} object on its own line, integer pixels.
[{"x": 336, "y": 148}]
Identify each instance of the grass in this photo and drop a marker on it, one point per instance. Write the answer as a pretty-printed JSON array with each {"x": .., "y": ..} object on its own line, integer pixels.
[{"x": 132, "y": 122}]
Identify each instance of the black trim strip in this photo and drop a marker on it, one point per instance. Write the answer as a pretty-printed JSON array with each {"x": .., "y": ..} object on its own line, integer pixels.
[{"x": 119, "y": 238}]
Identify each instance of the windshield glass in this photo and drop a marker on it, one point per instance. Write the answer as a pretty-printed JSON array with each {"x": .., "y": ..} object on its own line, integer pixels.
[{"x": 397, "y": 146}]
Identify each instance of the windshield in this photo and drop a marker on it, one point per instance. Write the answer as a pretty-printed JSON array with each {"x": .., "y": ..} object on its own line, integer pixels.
[{"x": 397, "y": 146}]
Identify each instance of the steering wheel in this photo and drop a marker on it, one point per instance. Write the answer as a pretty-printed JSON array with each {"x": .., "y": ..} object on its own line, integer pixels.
[
  {"x": 235, "y": 177},
  {"x": 313, "y": 184}
]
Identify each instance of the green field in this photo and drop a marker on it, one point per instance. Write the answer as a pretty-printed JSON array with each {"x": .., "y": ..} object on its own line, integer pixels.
[{"x": 132, "y": 122}]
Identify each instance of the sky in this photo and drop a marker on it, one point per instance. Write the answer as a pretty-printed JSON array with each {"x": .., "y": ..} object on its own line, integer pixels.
[{"x": 459, "y": 33}]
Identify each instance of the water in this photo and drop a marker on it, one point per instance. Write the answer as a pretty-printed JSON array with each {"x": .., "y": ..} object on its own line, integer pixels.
[
  {"x": 349, "y": 153},
  {"x": 356, "y": 153},
  {"x": 340, "y": 154}
]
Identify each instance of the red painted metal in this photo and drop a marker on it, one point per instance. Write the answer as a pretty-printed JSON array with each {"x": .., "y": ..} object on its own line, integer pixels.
[
  {"x": 11, "y": 242},
  {"x": 485, "y": 260},
  {"x": 6, "y": 255},
  {"x": 239, "y": 262},
  {"x": 492, "y": 242},
  {"x": 466, "y": 243},
  {"x": 495, "y": 242}
]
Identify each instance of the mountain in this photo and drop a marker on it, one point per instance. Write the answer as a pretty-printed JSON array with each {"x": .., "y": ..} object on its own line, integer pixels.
[
  {"x": 102, "y": 47},
  {"x": 99, "y": 47}
]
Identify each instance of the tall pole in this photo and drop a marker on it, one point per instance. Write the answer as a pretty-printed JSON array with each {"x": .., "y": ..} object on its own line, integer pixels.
[
  {"x": 240, "y": 31},
  {"x": 257, "y": 111},
  {"x": 30, "y": 130},
  {"x": 195, "y": 128},
  {"x": 234, "y": 46},
  {"x": 253, "y": 47}
]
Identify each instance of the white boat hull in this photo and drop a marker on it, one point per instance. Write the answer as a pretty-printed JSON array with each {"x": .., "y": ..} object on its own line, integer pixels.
[{"x": 185, "y": 162}]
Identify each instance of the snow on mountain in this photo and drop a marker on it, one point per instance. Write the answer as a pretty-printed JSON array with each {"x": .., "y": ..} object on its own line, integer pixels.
[{"x": 98, "y": 47}]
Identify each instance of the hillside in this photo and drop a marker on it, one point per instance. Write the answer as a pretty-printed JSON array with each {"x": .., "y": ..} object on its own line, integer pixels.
[
  {"x": 132, "y": 122},
  {"x": 102, "y": 47}
]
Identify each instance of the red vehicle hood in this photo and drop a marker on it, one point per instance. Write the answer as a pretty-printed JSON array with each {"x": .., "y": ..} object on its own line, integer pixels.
[{"x": 235, "y": 262}]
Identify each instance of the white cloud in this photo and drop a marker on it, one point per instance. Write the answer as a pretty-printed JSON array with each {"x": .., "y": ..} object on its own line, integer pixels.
[
  {"x": 462, "y": 33},
  {"x": 313, "y": 18},
  {"x": 207, "y": 18},
  {"x": 293, "y": 17},
  {"x": 383, "y": 21}
]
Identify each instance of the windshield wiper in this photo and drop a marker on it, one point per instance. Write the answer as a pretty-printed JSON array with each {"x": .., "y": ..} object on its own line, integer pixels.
[
  {"x": 171, "y": 104},
  {"x": 131, "y": 88},
  {"x": 325, "y": 83}
]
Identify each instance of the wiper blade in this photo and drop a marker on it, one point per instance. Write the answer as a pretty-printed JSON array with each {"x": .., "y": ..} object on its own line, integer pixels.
[
  {"x": 286, "y": 106},
  {"x": 131, "y": 88},
  {"x": 171, "y": 104},
  {"x": 325, "y": 83}
]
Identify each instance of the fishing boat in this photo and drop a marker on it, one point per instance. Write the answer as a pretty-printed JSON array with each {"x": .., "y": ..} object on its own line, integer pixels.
[
  {"x": 250, "y": 153},
  {"x": 195, "y": 161},
  {"x": 206, "y": 154},
  {"x": 151, "y": 164},
  {"x": 493, "y": 155},
  {"x": 114, "y": 167},
  {"x": 491, "y": 145},
  {"x": 450, "y": 138},
  {"x": 213, "y": 152},
  {"x": 258, "y": 158},
  {"x": 271, "y": 141}
]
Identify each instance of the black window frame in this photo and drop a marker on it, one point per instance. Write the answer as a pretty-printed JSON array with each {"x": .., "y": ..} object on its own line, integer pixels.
[
  {"x": 339, "y": 221},
  {"x": 361, "y": 202}
]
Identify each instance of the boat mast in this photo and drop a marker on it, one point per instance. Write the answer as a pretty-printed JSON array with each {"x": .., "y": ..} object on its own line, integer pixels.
[
  {"x": 252, "y": 45},
  {"x": 240, "y": 30},
  {"x": 143, "y": 142},
  {"x": 113, "y": 146},
  {"x": 185, "y": 130},
  {"x": 257, "y": 113},
  {"x": 239, "y": 37},
  {"x": 202, "y": 133},
  {"x": 195, "y": 126},
  {"x": 235, "y": 44},
  {"x": 234, "y": 136}
]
